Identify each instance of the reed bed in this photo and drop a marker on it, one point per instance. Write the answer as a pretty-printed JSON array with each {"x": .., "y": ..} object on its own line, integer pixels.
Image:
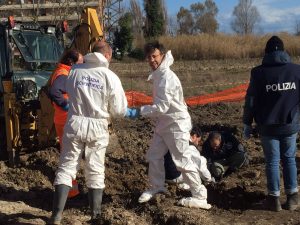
[{"x": 225, "y": 46}]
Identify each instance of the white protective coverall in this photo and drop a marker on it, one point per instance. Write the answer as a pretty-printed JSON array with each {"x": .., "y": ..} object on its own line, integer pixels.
[
  {"x": 95, "y": 93},
  {"x": 172, "y": 129},
  {"x": 199, "y": 160},
  {"x": 203, "y": 171}
]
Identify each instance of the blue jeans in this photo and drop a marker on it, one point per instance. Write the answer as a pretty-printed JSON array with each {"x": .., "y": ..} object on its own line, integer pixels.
[{"x": 282, "y": 148}]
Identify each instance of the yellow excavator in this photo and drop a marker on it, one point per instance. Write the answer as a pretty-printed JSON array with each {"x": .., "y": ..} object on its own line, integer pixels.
[
  {"x": 28, "y": 56},
  {"x": 87, "y": 32}
]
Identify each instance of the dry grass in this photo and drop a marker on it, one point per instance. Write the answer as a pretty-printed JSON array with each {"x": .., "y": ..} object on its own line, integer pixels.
[
  {"x": 221, "y": 46},
  {"x": 197, "y": 77}
]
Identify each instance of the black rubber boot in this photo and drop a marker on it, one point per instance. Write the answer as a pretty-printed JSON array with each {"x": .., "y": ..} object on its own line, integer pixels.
[
  {"x": 292, "y": 202},
  {"x": 95, "y": 200},
  {"x": 273, "y": 203},
  {"x": 59, "y": 201}
]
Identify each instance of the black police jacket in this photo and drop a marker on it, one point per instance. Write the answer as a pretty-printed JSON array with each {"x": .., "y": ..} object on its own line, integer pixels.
[
  {"x": 229, "y": 146},
  {"x": 273, "y": 96}
]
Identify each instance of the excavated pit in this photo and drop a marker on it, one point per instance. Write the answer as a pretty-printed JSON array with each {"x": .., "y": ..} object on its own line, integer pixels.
[{"x": 26, "y": 191}]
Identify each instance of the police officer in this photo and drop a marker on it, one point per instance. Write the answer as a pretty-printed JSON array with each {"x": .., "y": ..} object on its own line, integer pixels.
[
  {"x": 224, "y": 154},
  {"x": 272, "y": 101}
]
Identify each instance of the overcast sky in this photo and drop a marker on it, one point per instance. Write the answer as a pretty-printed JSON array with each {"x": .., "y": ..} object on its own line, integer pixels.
[{"x": 276, "y": 15}]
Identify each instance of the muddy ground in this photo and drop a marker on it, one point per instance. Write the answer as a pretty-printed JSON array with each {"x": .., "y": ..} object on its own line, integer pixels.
[{"x": 26, "y": 191}]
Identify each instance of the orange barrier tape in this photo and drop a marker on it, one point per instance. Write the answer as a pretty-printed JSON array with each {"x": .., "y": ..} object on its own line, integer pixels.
[
  {"x": 232, "y": 94},
  {"x": 73, "y": 190},
  {"x": 136, "y": 99}
]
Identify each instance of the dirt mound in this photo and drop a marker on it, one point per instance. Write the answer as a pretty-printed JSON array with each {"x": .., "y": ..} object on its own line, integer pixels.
[{"x": 26, "y": 191}]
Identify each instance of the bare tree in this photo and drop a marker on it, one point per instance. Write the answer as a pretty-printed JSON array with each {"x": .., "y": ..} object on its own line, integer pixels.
[
  {"x": 297, "y": 27},
  {"x": 138, "y": 20},
  {"x": 246, "y": 17},
  {"x": 165, "y": 15},
  {"x": 185, "y": 21},
  {"x": 172, "y": 26},
  {"x": 205, "y": 17},
  {"x": 61, "y": 13}
]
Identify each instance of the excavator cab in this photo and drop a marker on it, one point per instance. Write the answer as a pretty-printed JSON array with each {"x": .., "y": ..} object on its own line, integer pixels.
[{"x": 29, "y": 57}]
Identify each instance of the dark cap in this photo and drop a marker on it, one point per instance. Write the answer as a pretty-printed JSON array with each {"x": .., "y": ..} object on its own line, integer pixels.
[{"x": 274, "y": 44}]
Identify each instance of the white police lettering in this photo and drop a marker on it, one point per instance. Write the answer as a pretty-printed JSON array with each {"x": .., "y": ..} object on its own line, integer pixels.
[
  {"x": 90, "y": 82},
  {"x": 281, "y": 87}
]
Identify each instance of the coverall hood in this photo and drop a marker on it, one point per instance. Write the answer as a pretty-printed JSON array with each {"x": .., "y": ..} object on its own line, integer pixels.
[
  {"x": 165, "y": 64},
  {"x": 167, "y": 61},
  {"x": 168, "y": 100},
  {"x": 96, "y": 59}
]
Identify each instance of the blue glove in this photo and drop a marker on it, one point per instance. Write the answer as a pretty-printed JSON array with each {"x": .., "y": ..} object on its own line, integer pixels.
[
  {"x": 128, "y": 112},
  {"x": 247, "y": 131},
  {"x": 132, "y": 113},
  {"x": 66, "y": 107}
]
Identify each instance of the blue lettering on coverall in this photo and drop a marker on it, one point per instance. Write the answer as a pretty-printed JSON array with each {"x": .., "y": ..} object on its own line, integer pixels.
[{"x": 90, "y": 82}]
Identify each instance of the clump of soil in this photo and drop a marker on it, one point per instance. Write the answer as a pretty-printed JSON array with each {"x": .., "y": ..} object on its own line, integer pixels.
[{"x": 26, "y": 191}]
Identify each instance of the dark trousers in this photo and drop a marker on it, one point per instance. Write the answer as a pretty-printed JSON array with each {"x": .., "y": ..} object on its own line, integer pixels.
[{"x": 170, "y": 168}]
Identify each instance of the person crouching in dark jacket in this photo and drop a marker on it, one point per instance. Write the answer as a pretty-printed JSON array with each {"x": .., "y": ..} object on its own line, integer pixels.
[
  {"x": 272, "y": 101},
  {"x": 224, "y": 154}
]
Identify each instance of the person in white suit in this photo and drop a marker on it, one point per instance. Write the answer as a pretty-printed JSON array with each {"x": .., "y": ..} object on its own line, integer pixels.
[
  {"x": 173, "y": 176},
  {"x": 172, "y": 129},
  {"x": 95, "y": 94}
]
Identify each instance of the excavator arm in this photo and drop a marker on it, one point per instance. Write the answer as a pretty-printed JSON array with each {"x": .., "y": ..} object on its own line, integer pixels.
[{"x": 87, "y": 32}]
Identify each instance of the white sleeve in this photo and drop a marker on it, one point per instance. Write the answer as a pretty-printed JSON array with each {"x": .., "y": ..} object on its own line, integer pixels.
[
  {"x": 117, "y": 97},
  {"x": 161, "y": 101},
  {"x": 204, "y": 172},
  {"x": 201, "y": 163}
]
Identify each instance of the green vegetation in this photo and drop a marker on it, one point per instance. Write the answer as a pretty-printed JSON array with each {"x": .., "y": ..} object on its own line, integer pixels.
[
  {"x": 155, "y": 21},
  {"x": 123, "y": 35}
]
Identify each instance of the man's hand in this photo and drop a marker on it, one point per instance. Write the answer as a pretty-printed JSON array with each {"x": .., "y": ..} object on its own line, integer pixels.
[
  {"x": 212, "y": 180},
  {"x": 132, "y": 113},
  {"x": 247, "y": 131}
]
